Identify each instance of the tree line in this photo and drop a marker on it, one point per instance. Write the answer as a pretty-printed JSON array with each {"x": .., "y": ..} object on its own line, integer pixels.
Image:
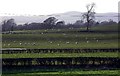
[
  {"x": 50, "y": 23},
  {"x": 88, "y": 20}
]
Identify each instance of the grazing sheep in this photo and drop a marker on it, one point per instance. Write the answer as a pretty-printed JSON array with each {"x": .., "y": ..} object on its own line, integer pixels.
[
  {"x": 87, "y": 41},
  {"x": 51, "y": 42},
  {"x": 64, "y": 34},
  {"x": 42, "y": 33},
  {"x": 8, "y": 44},
  {"x": 76, "y": 42},
  {"x": 28, "y": 43},
  {"x": 97, "y": 40},
  {"x": 67, "y": 42},
  {"x": 20, "y": 43},
  {"x": 45, "y": 30},
  {"x": 58, "y": 44},
  {"x": 34, "y": 44}
]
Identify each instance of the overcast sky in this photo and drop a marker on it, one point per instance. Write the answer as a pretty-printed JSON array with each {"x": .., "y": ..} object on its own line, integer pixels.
[{"x": 45, "y": 7}]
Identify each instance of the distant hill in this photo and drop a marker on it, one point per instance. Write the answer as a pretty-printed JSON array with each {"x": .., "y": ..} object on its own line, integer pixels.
[{"x": 68, "y": 17}]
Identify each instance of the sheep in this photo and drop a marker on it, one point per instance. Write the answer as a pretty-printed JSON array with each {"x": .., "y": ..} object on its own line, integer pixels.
[
  {"x": 34, "y": 43},
  {"x": 87, "y": 41},
  {"x": 76, "y": 42},
  {"x": 8, "y": 44},
  {"x": 28, "y": 43},
  {"x": 97, "y": 40},
  {"x": 51, "y": 42},
  {"x": 20, "y": 43},
  {"x": 67, "y": 42},
  {"x": 45, "y": 30},
  {"x": 58, "y": 44},
  {"x": 42, "y": 33},
  {"x": 64, "y": 34}
]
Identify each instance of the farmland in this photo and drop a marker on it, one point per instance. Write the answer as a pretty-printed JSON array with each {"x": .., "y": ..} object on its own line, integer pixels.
[
  {"x": 84, "y": 53},
  {"x": 62, "y": 38}
]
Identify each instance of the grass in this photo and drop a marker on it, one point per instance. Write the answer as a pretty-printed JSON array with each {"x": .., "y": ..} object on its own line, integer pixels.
[
  {"x": 52, "y": 55},
  {"x": 69, "y": 73},
  {"x": 102, "y": 37},
  {"x": 59, "y": 40},
  {"x": 99, "y": 37}
]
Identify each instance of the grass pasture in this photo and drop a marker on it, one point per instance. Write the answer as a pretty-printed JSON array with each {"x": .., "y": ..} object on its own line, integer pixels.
[
  {"x": 70, "y": 73},
  {"x": 63, "y": 55},
  {"x": 72, "y": 38},
  {"x": 100, "y": 37}
]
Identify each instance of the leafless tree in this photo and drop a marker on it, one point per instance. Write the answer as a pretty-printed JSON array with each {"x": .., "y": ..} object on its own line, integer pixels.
[{"x": 89, "y": 15}]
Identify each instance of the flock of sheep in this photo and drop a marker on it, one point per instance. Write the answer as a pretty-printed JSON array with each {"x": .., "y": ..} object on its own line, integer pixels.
[{"x": 51, "y": 42}]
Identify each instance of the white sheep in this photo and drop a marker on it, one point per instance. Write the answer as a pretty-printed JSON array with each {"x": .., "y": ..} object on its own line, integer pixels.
[
  {"x": 34, "y": 43},
  {"x": 64, "y": 34},
  {"x": 58, "y": 44},
  {"x": 87, "y": 41},
  {"x": 8, "y": 44},
  {"x": 28, "y": 43},
  {"x": 67, "y": 42},
  {"x": 42, "y": 33},
  {"x": 97, "y": 40},
  {"x": 20, "y": 43},
  {"x": 76, "y": 42},
  {"x": 51, "y": 42}
]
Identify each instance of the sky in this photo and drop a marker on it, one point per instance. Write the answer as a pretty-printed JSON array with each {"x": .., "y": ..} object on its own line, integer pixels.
[{"x": 46, "y": 7}]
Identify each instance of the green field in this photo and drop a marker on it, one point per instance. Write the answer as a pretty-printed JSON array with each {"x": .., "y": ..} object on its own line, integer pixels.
[
  {"x": 100, "y": 37},
  {"x": 72, "y": 38},
  {"x": 64, "y": 55},
  {"x": 70, "y": 73}
]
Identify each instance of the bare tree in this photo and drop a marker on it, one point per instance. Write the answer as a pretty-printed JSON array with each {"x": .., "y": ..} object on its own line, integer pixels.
[{"x": 89, "y": 15}]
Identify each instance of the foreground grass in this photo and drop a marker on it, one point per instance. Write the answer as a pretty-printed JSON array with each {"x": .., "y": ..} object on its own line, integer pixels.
[
  {"x": 52, "y": 55},
  {"x": 69, "y": 73}
]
